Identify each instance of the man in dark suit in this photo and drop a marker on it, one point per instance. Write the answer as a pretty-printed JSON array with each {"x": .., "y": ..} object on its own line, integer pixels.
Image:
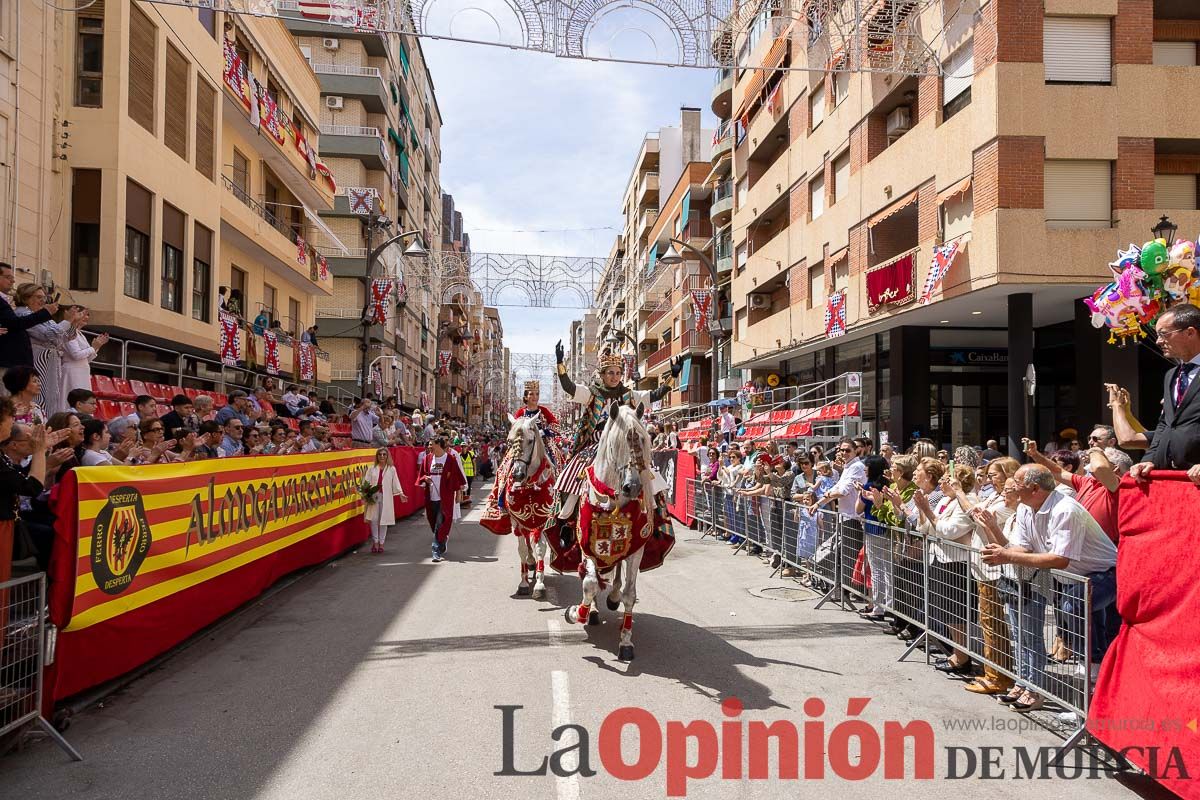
[
  {"x": 1176, "y": 442},
  {"x": 15, "y": 347}
]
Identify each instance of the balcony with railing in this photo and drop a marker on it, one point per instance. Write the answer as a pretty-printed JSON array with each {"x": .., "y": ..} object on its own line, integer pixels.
[
  {"x": 646, "y": 220},
  {"x": 722, "y": 143},
  {"x": 723, "y": 253},
  {"x": 722, "y": 93},
  {"x": 299, "y": 25},
  {"x": 648, "y": 188},
  {"x": 356, "y": 141},
  {"x": 721, "y": 210},
  {"x": 698, "y": 230},
  {"x": 662, "y": 309},
  {"x": 364, "y": 84},
  {"x": 694, "y": 342},
  {"x": 660, "y": 357}
]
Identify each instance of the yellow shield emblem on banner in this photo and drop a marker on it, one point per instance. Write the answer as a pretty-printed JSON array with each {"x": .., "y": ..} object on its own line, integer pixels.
[
  {"x": 611, "y": 536},
  {"x": 120, "y": 540}
]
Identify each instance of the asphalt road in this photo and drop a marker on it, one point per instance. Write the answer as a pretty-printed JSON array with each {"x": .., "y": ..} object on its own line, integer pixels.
[{"x": 378, "y": 676}]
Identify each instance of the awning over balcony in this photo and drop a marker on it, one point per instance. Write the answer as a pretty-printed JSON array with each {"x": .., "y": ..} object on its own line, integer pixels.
[
  {"x": 899, "y": 205},
  {"x": 753, "y": 87},
  {"x": 955, "y": 189},
  {"x": 320, "y": 223}
]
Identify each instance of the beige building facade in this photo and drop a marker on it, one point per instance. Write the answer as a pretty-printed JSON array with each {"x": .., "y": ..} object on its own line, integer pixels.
[{"x": 1028, "y": 152}]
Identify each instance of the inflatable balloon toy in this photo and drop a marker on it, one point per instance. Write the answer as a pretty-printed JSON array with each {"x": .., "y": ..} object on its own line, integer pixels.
[
  {"x": 1123, "y": 306},
  {"x": 1179, "y": 282},
  {"x": 1153, "y": 260}
]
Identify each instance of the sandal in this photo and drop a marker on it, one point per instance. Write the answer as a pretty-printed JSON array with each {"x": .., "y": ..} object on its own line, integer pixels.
[{"x": 1014, "y": 694}]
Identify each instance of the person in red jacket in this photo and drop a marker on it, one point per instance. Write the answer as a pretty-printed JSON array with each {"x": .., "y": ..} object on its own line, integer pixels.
[
  {"x": 533, "y": 393},
  {"x": 442, "y": 476}
]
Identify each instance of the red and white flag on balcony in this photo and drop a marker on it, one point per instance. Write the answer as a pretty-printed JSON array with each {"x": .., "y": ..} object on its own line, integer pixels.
[
  {"x": 835, "y": 314},
  {"x": 381, "y": 290},
  {"x": 323, "y": 170},
  {"x": 322, "y": 267},
  {"x": 306, "y": 361},
  {"x": 341, "y": 12},
  {"x": 702, "y": 300},
  {"x": 401, "y": 292},
  {"x": 377, "y": 380},
  {"x": 362, "y": 199},
  {"x": 943, "y": 257},
  {"x": 235, "y": 73},
  {"x": 366, "y": 19},
  {"x": 270, "y": 352},
  {"x": 630, "y": 364},
  {"x": 301, "y": 251},
  {"x": 424, "y": 399},
  {"x": 231, "y": 343},
  {"x": 773, "y": 104},
  {"x": 444, "y": 357}
]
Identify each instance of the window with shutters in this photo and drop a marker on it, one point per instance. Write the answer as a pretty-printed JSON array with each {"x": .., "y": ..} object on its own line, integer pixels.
[
  {"x": 268, "y": 304},
  {"x": 841, "y": 274},
  {"x": 294, "y": 317},
  {"x": 816, "y": 285},
  {"x": 816, "y": 196},
  {"x": 173, "y": 227},
  {"x": 138, "y": 214},
  {"x": 1077, "y": 49},
  {"x": 85, "y": 229},
  {"x": 958, "y": 74},
  {"x": 89, "y": 57},
  {"x": 241, "y": 176},
  {"x": 175, "y": 111},
  {"x": 841, "y": 176},
  {"x": 202, "y": 273},
  {"x": 1078, "y": 194},
  {"x": 1175, "y": 54},
  {"x": 1175, "y": 192},
  {"x": 143, "y": 42},
  {"x": 816, "y": 106},
  {"x": 206, "y": 98}
]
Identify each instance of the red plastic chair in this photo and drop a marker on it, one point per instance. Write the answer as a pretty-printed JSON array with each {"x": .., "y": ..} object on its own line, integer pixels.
[
  {"x": 192, "y": 394},
  {"x": 220, "y": 399},
  {"x": 162, "y": 392},
  {"x": 162, "y": 409},
  {"x": 122, "y": 389},
  {"x": 139, "y": 388},
  {"x": 128, "y": 408},
  {"x": 108, "y": 410},
  {"x": 102, "y": 385}
]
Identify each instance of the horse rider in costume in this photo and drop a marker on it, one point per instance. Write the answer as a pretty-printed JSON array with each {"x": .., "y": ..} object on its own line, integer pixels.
[
  {"x": 607, "y": 385},
  {"x": 495, "y": 514}
]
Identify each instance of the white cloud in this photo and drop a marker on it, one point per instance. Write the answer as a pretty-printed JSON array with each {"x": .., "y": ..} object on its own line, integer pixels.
[{"x": 533, "y": 142}]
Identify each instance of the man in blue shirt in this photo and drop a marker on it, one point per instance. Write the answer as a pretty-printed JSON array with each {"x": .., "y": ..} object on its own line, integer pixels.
[
  {"x": 236, "y": 409},
  {"x": 231, "y": 442}
]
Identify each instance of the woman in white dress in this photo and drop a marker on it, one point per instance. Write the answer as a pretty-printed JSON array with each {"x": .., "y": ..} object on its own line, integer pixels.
[
  {"x": 78, "y": 354},
  {"x": 380, "y": 513},
  {"x": 47, "y": 339}
]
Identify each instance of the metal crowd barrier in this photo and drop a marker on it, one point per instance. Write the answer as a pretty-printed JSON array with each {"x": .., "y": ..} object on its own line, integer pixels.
[
  {"x": 23, "y": 657},
  {"x": 1004, "y": 618}
]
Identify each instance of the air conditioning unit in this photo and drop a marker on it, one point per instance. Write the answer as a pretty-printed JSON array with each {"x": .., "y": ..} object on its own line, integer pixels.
[
  {"x": 899, "y": 121},
  {"x": 758, "y": 300},
  {"x": 646, "y": 347},
  {"x": 334, "y": 101},
  {"x": 330, "y": 44}
]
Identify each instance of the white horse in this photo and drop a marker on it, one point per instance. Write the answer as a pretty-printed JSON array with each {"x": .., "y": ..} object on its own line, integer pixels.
[
  {"x": 529, "y": 499},
  {"x": 622, "y": 462}
]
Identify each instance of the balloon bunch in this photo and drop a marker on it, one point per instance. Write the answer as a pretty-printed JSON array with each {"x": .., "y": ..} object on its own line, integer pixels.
[{"x": 1147, "y": 280}]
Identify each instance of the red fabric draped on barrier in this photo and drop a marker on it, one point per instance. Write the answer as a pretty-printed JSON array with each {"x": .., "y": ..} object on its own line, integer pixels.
[
  {"x": 1151, "y": 672},
  {"x": 146, "y": 556},
  {"x": 684, "y": 507}
]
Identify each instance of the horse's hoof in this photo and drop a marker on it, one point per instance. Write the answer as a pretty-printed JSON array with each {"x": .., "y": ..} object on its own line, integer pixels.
[
  {"x": 594, "y": 617},
  {"x": 539, "y": 594},
  {"x": 625, "y": 653},
  {"x": 569, "y": 613},
  {"x": 613, "y": 605},
  {"x": 523, "y": 589}
]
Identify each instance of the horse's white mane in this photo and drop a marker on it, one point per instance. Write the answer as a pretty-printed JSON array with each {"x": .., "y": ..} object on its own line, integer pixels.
[
  {"x": 612, "y": 452},
  {"x": 529, "y": 423}
]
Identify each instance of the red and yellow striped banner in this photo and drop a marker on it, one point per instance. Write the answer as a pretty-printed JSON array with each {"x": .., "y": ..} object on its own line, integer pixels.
[{"x": 147, "y": 532}]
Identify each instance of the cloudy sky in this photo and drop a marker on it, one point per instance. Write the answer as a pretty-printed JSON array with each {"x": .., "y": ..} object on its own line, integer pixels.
[{"x": 531, "y": 142}]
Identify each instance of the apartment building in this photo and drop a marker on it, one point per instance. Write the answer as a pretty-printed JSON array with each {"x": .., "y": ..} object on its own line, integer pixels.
[
  {"x": 185, "y": 167},
  {"x": 663, "y": 157},
  {"x": 380, "y": 131},
  {"x": 582, "y": 347},
  {"x": 1030, "y": 153}
]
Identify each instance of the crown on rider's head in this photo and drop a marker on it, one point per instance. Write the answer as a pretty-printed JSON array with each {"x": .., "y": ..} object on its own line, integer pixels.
[
  {"x": 533, "y": 386},
  {"x": 610, "y": 360}
]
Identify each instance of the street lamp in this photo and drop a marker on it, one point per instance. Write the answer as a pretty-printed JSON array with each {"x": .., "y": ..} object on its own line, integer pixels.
[
  {"x": 672, "y": 258},
  {"x": 414, "y": 250},
  {"x": 1165, "y": 229}
]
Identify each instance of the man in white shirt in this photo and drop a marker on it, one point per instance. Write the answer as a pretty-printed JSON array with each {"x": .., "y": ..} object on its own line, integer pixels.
[
  {"x": 854, "y": 474},
  {"x": 1053, "y": 531},
  {"x": 297, "y": 402}
]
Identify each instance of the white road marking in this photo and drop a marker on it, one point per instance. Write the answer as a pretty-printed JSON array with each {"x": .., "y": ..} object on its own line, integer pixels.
[
  {"x": 568, "y": 788},
  {"x": 555, "y": 629}
]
